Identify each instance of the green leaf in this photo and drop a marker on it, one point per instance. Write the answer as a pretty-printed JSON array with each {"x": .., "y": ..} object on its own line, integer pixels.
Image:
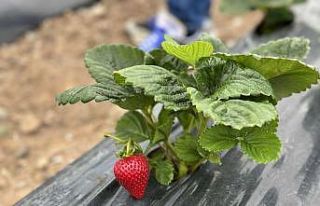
[
  {"x": 182, "y": 170},
  {"x": 218, "y": 138},
  {"x": 164, "y": 171},
  {"x": 235, "y": 113},
  {"x": 133, "y": 125},
  {"x": 207, "y": 77},
  {"x": 292, "y": 48},
  {"x": 187, "y": 149},
  {"x": 83, "y": 93},
  {"x": 217, "y": 44},
  {"x": 227, "y": 79},
  {"x": 242, "y": 82},
  {"x": 185, "y": 119},
  {"x": 214, "y": 158},
  {"x": 156, "y": 155},
  {"x": 103, "y": 60},
  {"x": 186, "y": 79},
  {"x": 261, "y": 144},
  {"x": 98, "y": 92},
  {"x": 190, "y": 53},
  {"x": 136, "y": 101},
  {"x": 157, "y": 82},
  {"x": 171, "y": 63},
  {"x": 125, "y": 97},
  {"x": 164, "y": 125},
  {"x": 286, "y": 76}
]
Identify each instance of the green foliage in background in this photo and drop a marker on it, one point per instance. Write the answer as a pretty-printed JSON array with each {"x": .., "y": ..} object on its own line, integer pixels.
[{"x": 235, "y": 7}]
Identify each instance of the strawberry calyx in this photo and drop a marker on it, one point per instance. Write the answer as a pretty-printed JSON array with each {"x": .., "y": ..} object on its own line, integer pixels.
[{"x": 129, "y": 149}]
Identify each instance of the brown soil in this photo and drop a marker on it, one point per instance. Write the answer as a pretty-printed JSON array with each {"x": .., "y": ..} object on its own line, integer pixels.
[{"x": 38, "y": 138}]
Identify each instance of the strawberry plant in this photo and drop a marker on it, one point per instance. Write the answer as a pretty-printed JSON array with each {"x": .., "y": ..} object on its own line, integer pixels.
[{"x": 221, "y": 100}]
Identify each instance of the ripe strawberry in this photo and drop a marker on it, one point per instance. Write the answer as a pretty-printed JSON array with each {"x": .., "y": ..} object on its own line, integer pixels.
[{"x": 133, "y": 174}]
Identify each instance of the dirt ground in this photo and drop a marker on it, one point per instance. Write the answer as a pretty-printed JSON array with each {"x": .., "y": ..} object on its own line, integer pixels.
[{"x": 38, "y": 138}]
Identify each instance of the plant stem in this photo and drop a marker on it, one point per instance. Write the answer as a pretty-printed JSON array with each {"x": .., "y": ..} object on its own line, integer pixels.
[
  {"x": 165, "y": 151},
  {"x": 190, "y": 126},
  {"x": 196, "y": 165},
  {"x": 167, "y": 147},
  {"x": 115, "y": 138},
  {"x": 149, "y": 119},
  {"x": 128, "y": 147},
  {"x": 171, "y": 149},
  {"x": 170, "y": 155},
  {"x": 202, "y": 124}
]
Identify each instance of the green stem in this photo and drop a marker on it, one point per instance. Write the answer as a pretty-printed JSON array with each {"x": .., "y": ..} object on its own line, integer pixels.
[
  {"x": 149, "y": 119},
  {"x": 190, "y": 126},
  {"x": 196, "y": 165},
  {"x": 171, "y": 149},
  {"x": 114, "y": 137},
  {"x": 165, "y": 151},
  {"x": 128, "y": 147},
  {"x": 202, "y": 124},
  {"x": 167, "y": 147}
]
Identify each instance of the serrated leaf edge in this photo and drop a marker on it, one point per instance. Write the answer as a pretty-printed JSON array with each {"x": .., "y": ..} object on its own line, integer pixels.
[
  {"x": 275, "y": 41},
  {"x": 296, "y": 60},
  {"x": 156, "y": 98},
  {"x": 244, "y": 152}
]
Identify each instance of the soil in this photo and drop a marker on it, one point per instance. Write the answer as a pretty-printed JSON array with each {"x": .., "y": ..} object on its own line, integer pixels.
[{"x": 38, "y": 138}]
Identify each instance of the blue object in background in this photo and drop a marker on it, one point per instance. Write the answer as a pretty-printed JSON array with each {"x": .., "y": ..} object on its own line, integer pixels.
[
  {"x": 191, "y": 12},
  {"x": 153, "y": 41}
]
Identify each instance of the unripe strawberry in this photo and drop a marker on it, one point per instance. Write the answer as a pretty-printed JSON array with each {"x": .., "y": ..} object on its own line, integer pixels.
[{"x": 133, "y": 174}]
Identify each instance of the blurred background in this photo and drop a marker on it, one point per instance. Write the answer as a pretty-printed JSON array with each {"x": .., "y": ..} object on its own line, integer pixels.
[{"x": 42, "y": 44}]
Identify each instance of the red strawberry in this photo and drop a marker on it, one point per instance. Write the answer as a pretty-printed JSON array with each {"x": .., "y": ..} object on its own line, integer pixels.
[{"x": 133, "y": 174}]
